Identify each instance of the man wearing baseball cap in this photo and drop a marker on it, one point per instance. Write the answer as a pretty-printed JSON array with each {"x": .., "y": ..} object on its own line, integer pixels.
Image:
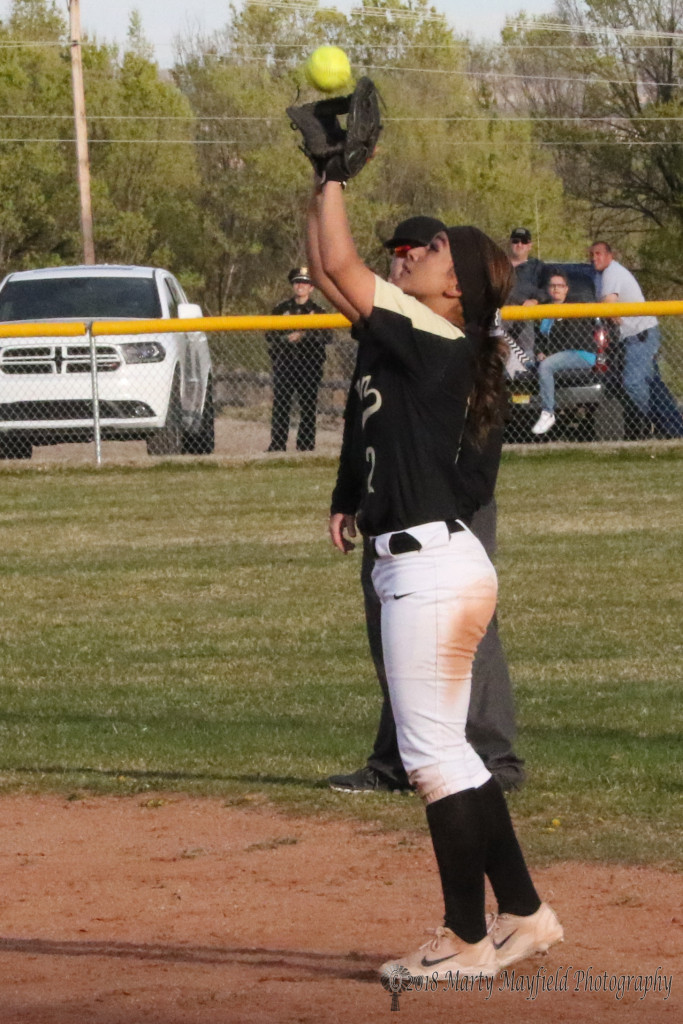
[
  {"x": 527, "y": 289},
  {"x": 298, "y": 358},
  {"x": 491, "y": 727}
]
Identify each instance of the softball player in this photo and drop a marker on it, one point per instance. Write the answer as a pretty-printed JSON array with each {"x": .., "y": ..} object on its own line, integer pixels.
[
  {"x": 491, "y": 714},
  {"x": 431, "y": 368}
]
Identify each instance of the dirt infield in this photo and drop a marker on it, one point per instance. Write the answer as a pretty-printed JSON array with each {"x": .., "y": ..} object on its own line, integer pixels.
[
  {"x": 235, "y": 439},
  {"x": 176, "y": 910}
]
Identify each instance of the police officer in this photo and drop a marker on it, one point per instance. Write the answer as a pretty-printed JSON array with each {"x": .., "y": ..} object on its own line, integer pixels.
[{"x": 298, "y": 358}]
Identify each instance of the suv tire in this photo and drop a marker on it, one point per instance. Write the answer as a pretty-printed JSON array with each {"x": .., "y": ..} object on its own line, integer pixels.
[
  {"x": 168, "y": 440},
  {"x": 203, "y": 442}
]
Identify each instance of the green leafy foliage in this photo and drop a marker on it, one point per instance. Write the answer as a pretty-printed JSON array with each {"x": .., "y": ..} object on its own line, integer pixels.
[
  {"x": 144, "y": 192},
  {"x": 224, "y": 205},
  {"x": 603, "y": 83},
  {"x": 570, "y": 127}
]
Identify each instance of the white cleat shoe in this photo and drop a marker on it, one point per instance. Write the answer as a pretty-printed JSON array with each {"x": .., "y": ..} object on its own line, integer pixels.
[
  {"x": 516, "y": 938},
  {"x": 446, "y": 955},
  {"x": 544, "y": 422}
]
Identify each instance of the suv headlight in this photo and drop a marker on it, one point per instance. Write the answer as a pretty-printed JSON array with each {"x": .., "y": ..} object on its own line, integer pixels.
[{"x": 143, "y": 352}]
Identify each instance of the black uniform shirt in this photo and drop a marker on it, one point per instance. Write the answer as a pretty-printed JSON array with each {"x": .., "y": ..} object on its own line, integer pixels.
[
  {"x": 311, "y": 347},
  {"x": 528, "y": 283},
  {"x": 414, "y": 375}
]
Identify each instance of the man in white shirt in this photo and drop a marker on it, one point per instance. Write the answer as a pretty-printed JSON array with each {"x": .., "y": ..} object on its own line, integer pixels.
[{"x": 639, "y": 334}]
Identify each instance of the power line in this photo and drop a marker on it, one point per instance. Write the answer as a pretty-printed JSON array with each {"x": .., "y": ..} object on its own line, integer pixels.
[
  {"x": 161, "y": 142},
  {"x": 471, "y": 73},
  {"x": 32, "y": 42},
  {"x": 515, "y": 77},
  {"x": 605, "y": 119},
  {"x": 458, "y": 44},
  {"x": 244, "y": 48},
  {"x": 628, "y": 143},
  {"x": 581, "y": 29},
  {"x": 395, "y": 12},
  {"x": 456, "y": 72}
]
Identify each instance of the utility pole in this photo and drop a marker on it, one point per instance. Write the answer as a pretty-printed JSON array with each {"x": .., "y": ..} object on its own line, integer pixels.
[{"x": 82, "y": 158}]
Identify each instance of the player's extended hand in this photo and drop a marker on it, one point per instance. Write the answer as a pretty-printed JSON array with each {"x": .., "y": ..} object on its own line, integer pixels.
[{"x": 339, "y": 525}]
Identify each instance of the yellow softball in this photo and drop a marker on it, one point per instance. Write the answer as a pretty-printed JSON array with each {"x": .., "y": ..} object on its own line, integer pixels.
[{"x": 328, "y": 69}]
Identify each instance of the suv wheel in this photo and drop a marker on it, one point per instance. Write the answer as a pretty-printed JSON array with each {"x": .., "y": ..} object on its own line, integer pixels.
[
  {"x": 15, "y": 446},
  {"x": 203, "y": 442},
  {"x": 169, "y": 439}
]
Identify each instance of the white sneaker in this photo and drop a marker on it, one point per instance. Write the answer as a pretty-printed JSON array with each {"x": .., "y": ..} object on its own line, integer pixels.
[
  {"x": 515, "y": 938},
  {"x": 544, "y": 422},
  {"x": 444, "y": 956}
]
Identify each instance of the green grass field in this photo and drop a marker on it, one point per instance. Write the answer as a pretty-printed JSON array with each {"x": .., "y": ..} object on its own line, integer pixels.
[{"x": 189, "y": 627}]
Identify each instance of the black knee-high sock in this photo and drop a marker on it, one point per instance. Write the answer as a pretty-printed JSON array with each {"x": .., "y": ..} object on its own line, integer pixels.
[
  {"x": 504, "y": 860},
  {"x": 459, "y": 841}
]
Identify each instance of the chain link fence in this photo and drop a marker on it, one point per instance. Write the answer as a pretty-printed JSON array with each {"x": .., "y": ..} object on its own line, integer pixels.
[
  {"x": 259, "y": 391},
  {"x": 580, "y": 380}
]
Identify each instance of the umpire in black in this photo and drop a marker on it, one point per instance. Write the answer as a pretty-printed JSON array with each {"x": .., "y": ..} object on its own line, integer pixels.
[{"x": 298, "y": 358}]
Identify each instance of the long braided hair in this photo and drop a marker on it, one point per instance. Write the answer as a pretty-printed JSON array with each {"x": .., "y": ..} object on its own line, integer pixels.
[{"x": 485, "y": 278}]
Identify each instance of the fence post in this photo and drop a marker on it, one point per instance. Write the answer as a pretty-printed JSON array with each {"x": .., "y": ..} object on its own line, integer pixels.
[{"x": 95, "y": 394}]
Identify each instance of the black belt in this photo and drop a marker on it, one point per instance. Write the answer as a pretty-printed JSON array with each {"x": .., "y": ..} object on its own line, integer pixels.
[{"x": 401, "y": 543}]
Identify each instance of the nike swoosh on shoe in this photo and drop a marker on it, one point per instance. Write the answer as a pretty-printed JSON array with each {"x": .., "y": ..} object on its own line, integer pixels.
[
  {"x": 432, "y": 963},
  {"x": 499, "y": 945}
]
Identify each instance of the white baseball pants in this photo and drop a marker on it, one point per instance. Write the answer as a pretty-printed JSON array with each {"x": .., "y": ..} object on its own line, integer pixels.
[{"x": 436, "y": 605}]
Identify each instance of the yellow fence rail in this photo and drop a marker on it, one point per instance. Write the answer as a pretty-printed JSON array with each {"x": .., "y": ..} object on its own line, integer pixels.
[
  {"x": 99, "y": 328},
  {"x": 46, "y": 397}
]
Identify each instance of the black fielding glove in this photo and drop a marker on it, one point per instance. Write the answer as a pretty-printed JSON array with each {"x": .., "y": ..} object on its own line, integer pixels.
[{"x": 338, "y": 154}]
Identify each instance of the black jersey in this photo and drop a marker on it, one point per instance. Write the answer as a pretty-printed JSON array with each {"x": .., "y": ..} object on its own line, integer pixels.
[{"x": 413, "y": 377}]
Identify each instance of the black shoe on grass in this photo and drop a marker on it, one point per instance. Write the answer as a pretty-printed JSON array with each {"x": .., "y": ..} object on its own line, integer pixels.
[{"x": 366, "y": 780}]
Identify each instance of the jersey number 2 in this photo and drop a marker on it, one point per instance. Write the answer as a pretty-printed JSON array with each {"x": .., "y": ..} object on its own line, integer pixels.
[{"x": 370, "y": 459}]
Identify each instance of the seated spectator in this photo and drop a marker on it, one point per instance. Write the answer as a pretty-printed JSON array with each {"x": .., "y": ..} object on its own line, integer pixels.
[{"x": 560, "y": 345}]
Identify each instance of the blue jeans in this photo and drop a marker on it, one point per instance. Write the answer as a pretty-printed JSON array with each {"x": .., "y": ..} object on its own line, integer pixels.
[
  {"x": 639, "y": 367},
  {"x": 569, "y": 360}
]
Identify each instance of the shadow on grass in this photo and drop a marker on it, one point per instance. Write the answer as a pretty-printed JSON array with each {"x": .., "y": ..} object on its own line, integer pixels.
[
  {"x": 300, "y": 963},
  {"x": 166, "y": 776}
]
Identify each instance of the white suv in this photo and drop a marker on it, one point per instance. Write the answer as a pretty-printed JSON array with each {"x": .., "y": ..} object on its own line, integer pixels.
[{"x": 155, "y": 387}]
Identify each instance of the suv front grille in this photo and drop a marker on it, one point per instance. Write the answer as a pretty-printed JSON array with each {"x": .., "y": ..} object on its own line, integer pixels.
[
  {"x": 13, "y": 412},
  {"x": 55, "y": 359}
]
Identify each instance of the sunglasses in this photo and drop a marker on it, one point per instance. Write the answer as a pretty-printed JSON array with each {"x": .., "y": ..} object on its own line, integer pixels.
[
  {"x": 402, "y": 250},
  {"x": 520, "y": 241}
]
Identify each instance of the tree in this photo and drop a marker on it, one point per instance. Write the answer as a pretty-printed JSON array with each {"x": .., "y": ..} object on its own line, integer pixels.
[
  {"x": 146, "y": 200},
  {"x": 144, "y": 194},
  {"x": 443, "y": 150},
  {"x": 37, "y": 196},
  {"x": 605, "y": 92}
]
